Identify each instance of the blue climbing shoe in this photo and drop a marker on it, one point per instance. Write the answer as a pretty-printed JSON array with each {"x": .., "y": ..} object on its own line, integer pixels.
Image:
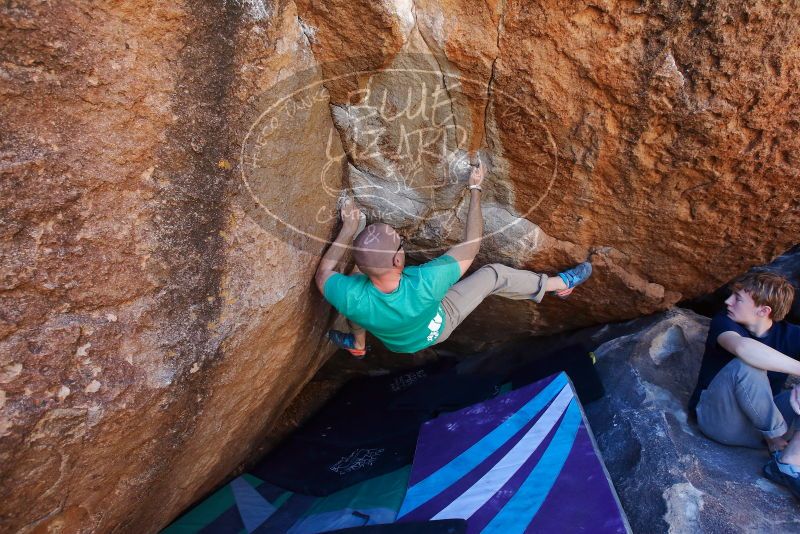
[
  {"x": 577, "y": 275},
  {"x": 346, "y": 341},
  {"x": 773, "y": 472}
]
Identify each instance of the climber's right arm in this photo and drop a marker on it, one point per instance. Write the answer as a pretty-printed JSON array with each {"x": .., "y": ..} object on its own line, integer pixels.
[
  {"x": 465, "y": 252},
  {"x": 332, "y": 260}
]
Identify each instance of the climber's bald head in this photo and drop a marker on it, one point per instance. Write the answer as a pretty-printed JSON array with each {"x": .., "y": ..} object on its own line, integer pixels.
[{"x": 376, "y": 250}]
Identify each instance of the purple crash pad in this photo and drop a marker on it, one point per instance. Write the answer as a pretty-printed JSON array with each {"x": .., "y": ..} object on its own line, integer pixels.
[{"x": 521, "y": 462}]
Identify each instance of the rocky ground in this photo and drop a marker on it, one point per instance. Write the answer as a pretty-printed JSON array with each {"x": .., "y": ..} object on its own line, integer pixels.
[{"x": 670, "y": 478}]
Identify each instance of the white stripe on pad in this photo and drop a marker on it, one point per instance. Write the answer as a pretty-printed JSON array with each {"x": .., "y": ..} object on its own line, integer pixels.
[{"x": 476, "y": 496}]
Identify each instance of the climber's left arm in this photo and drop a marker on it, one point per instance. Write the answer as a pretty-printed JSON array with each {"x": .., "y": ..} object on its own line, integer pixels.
[
  {"x": 330, "y": 262},
  {"x": 465, "y": 252}
]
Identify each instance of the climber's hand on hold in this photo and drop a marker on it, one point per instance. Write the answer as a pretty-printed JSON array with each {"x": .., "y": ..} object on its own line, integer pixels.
[
  {"x": 477, "y": 174},
  {"x": 464, "y": 253},
  {"x": 333, "y": 259},
  {"x": 350, "y": 216}
]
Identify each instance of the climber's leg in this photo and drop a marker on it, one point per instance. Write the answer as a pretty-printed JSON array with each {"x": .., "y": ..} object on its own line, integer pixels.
[
  {"x": 555, "y": 283},
  {"x": 355, "y": 342},
  {"x": 493, "y": 279},
  {"x": 359, "y": 335}
]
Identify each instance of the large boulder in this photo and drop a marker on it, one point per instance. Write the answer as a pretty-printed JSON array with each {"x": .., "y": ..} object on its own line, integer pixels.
[
  {"x": 152, "y": 328},
  {"x": 657, "y": 139},
  {"x": 671, "y": 478}
]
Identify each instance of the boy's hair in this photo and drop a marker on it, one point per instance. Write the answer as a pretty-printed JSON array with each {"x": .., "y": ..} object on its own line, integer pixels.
[{"x": 767, "y": 289}]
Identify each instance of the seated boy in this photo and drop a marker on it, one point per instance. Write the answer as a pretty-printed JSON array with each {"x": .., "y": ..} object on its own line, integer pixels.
[{"x": 749, "y": 352}]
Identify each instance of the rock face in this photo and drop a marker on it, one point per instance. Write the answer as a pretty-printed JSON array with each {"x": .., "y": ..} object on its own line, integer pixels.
[
  {"x": 171, "y": 170},
  {"x": 657, "y": 139},
  {"x": 151, "y": 327},
  {"x": 670, "y": 478}
]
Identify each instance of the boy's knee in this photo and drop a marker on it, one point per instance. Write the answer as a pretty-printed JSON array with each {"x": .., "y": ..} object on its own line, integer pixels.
[{"x": 743, "y": 369}]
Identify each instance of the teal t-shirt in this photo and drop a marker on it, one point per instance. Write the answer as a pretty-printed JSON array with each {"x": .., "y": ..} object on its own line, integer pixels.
[{"x": 409, "y": 318}]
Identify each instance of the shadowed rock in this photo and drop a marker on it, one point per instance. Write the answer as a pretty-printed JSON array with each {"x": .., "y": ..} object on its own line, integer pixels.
[{"x": 670, "y": 478}]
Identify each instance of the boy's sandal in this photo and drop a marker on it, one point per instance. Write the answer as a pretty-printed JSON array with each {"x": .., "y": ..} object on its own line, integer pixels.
[{"x": 346, "y": 341}]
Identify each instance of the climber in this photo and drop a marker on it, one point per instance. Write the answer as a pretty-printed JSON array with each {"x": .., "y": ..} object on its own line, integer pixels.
[
  {"x": 411, "y": 308},
  {"x": 749, "y": 352}
]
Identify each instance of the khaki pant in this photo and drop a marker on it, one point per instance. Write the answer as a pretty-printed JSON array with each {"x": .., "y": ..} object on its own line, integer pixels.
[
  {"x": 737, "y": 408},
  {"x": 493, "y": 279}
]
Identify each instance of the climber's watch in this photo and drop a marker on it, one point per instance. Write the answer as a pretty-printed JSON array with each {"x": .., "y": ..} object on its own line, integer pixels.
[{"x": 475, "y": 186}]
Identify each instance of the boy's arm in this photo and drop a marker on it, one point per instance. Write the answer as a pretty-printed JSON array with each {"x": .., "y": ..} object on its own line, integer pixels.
[
  {"x": 757, "y": 354},
  {"x": 329, "y": 263},
  {"x": 465, "y": 252}
]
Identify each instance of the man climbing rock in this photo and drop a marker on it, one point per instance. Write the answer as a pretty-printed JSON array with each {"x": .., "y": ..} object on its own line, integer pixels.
[
  {"x": 750, "y": 350},
  {"x": 411, "y": 308}
]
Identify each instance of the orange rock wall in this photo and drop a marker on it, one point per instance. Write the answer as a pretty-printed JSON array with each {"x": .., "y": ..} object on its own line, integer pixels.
[
  {"x": 151, "y": 330},
  {"x": 658, "y": 139},
  {"x": 156, "y": 315}
]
